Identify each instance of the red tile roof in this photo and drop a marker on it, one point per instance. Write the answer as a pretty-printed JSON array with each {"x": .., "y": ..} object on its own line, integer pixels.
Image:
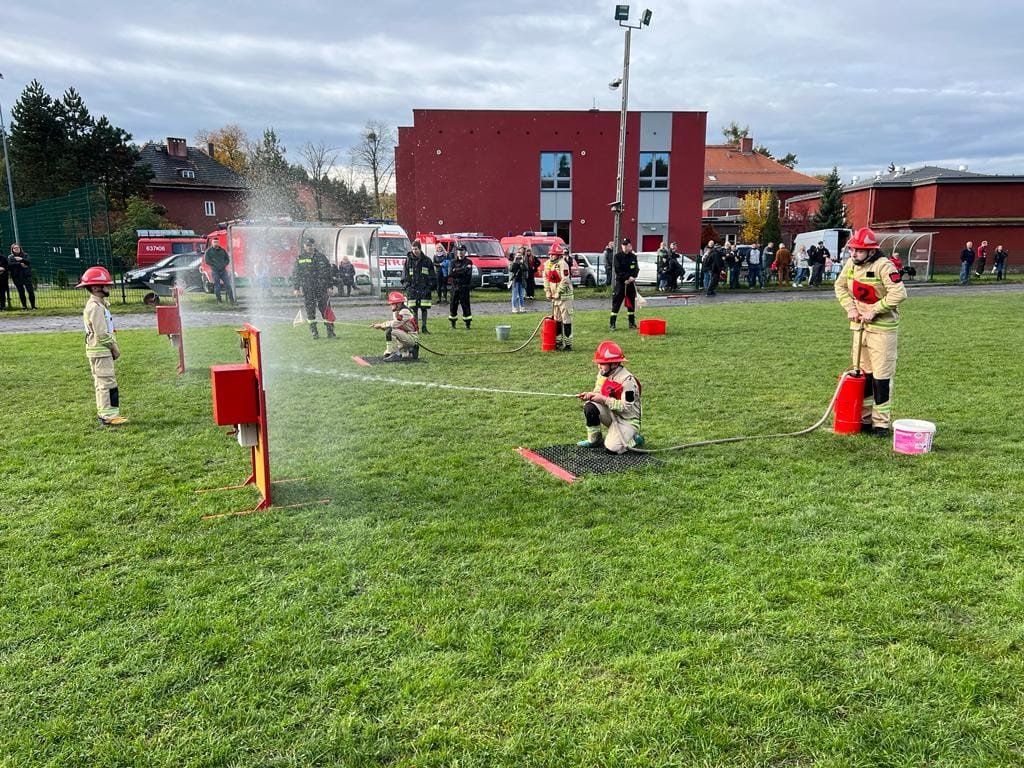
[{"x": 733, "y": 169}]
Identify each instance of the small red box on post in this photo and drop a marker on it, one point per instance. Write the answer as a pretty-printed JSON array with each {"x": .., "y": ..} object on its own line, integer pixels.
[
  {"x": 235, "y": 394},
  {"x": 168, "y": 321}
]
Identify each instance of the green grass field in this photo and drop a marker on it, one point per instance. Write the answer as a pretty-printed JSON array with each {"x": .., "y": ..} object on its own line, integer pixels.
[{"x": 808, "y": 601}]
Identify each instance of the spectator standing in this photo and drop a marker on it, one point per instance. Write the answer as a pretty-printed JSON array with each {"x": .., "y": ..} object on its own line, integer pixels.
[
  {"x": 5, "y": 286},
  {"x": 312, "y": 278},
  {"x": 768, "y": 264},
  {"x": 732, "y": 265},
  {"x": 517, "y": 280},
  {"x": 817, "y": 263},
  {"x": 870, "y": 289},
  {"x": 784, "y": 260},
  {"x": 609, "y": 262},
  {"x": 419, "y": 281},
  {"x": 346, "y": 275},
  {"x": 461, "y": 273},
  {"x": 218, "y": 260},
  {"x": 802, "y": 261},
  {"x": 979, "y": 263},
  {"x": 101, "y": 345},
  {"x": 626, "y": 270},
  {"x": 663, "y": 266},
  {"x": 755, "y": 276},
  {"x": 441, "y": 271},
  {"x": 531, "y": 271},
  {"x": 20, "y": 267},
  {"x": 261, "y": 271},
  {"x": 614, "y": 402},
  {"x": 675, "y": 267},
  {"x": 712, "y": 265},
  {"x": 966, "y": 260},
  {"x": 999, "y": 262}
]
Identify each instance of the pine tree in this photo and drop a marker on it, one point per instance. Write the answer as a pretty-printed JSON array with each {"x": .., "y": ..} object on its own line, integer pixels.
[
  {"x": 38, "y": 144},
  {"x": 771, "y": 232},
  {"x": 272, "y": 180},
  {"x": 78, "y": 125},
  {"x": 831, "y": 213}
]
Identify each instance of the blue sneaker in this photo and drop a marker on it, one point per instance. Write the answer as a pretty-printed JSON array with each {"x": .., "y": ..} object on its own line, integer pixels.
[{"x": 588, "y": 443}]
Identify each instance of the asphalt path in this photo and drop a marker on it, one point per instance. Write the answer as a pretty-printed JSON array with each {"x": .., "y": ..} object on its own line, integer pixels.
[{"x": 348, "y": 311}]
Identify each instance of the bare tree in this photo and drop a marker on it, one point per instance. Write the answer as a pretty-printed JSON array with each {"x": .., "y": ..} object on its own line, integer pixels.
[
  {"x": 375, "y": 154},
  {"x": 319, "y": 162}
]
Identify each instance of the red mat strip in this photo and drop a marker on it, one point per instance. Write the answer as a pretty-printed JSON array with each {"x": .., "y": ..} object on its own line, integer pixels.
[
  {"x": 540, "y": 461},
  {"x": 360, "y": 360}
]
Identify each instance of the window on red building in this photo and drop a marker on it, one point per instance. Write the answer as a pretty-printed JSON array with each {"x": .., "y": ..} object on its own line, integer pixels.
[
  {"x": 555, "y": 170},
  {"x": 560, "y": 228},
  {"x": 211, "y": 209},
  {"x": 654, "y": 170}
]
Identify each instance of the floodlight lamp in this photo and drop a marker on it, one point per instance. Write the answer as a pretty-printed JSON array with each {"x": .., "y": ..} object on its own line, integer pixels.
[
  {"x": 622, "y": 13},
  {"x": 614, "y": 83},
  {"x": 645, "y": 20}
]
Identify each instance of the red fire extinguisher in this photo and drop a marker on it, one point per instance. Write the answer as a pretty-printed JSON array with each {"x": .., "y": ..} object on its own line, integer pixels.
[
  {"x": 850, "y": 398},
  {"x": 548, "y": 336}
]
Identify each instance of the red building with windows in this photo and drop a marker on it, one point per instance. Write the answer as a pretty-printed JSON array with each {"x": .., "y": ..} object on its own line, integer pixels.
[
  {"x": 196, "y": 190},
  {"x": 957, "y": 206},
  {"x": 504, "y": 172}
]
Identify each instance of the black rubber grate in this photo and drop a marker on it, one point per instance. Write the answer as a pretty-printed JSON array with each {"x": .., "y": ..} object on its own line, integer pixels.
[
  {"x": 594, "y": 461},
  {"x": 400, "y": 361}
]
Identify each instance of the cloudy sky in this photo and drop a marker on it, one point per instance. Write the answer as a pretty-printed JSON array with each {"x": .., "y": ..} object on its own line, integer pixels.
[{"x": 858, "y": 85}]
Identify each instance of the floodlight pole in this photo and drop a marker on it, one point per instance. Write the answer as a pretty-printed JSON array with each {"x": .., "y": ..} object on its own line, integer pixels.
[
  {"x": 7, "y": 165},
  {"x": 619, "y": 204}
]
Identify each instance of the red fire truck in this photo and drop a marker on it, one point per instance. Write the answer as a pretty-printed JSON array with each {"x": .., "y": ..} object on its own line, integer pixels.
[
  {"x": 157, "y": 244},
  {"x": 490, "y": 267}
]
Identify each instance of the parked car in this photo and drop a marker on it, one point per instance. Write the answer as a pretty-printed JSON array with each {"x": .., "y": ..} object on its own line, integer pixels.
[
  {"x": 181, "y": 269},
  {"x": 648, "y": 261},
  {"x": 591, "y": 268}
]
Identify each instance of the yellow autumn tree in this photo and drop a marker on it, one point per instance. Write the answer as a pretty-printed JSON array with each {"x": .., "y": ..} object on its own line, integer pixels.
[
  {"x": 230, "y": 146},
  {"x": 754, "y": 210}
]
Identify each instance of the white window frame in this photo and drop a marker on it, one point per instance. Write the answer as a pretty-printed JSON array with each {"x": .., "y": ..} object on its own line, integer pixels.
[
  {"x": 188, "y": 173},
  {"x": 210, "y": 207}
]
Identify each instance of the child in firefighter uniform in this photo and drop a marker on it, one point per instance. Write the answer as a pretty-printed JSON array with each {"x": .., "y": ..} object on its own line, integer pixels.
[
  {"x": 870, "y": 289},
  {"x": 401, "y": 331},
  {"x": 100, "y": 345},
  {"x": 614, "y": 402},
  {"x": 558, "y": 290}
]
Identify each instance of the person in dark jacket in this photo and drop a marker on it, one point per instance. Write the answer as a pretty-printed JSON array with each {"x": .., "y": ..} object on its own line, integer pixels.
[
  {"x": 517, "y": 280},
  {"x": 675, "y": 267},
  {"x": 5, "y": 285},
  {"x": 20, "y": 268},
  {"x": 609, "y": 262},
  {"x": 626, "y": 270},
  {"x": 441, "y": 271},
  {"x": 461, "y": 273},
  {"x": 419, "y": 281},
  {"x": 218, "y": 260},
  {"x": 712, "y": 265},
  {"x": 531, "y": 271},
  {"x": 312, "y": 277},
  {"x": 346, "y": 276},
  {"x": 966, "y": 260},
  {"x": 999, "y": 262}
]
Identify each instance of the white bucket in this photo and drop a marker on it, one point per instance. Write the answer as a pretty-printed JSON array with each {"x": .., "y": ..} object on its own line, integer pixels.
[
  {"x": 502, "y": 332},
  {"x": 912, "y": 436}
]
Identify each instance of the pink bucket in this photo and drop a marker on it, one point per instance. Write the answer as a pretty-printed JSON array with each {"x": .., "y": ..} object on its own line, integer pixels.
[{"x": 912, "y": 436}]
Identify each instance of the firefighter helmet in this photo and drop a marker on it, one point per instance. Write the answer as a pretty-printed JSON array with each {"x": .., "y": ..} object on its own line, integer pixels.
[
  {"x": 863, "y": 239},
  {"x": 556, "y": 250},
  {"x": 95, "y": 276},
  {"x": 609, "y": 352},
  {"x": 396, "y": 297}
]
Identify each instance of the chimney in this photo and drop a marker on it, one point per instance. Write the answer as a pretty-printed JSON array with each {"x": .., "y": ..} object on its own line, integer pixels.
[
  {"x": 746, "y": 145},
  {"x": 209, "y": 149},
  {"x": 177, "y": 147}
]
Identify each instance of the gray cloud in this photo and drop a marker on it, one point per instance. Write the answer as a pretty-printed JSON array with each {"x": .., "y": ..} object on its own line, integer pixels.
[{"x": 854, "y": 86}]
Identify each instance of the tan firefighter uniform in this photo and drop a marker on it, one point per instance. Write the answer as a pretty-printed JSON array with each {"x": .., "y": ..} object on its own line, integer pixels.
[
  {"x": 402, "y": 332},
  {"x": 874, "y": 286},
  {"x": 100, "y": 349},
  {"x": 622, "y": 417},
  {"x": 558, "y": 290}
]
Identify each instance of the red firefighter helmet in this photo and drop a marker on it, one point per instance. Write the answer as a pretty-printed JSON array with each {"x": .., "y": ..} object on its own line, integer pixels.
[
  {"x": 396, "y": 297},
  {"x": 863, "y": 239},
  {"x": 556, "y": 250},
  {"x": 95, "y": 276},
  {"x": 609, "y": 352}
]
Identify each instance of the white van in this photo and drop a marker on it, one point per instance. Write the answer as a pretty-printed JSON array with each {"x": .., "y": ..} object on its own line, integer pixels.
[{"x": 834, "y": 239}]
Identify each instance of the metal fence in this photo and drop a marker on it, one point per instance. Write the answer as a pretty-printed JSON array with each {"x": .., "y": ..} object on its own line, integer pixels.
[{"x": 62, "y": 237}]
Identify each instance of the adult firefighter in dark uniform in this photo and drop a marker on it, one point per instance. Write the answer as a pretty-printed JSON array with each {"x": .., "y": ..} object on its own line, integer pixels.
[
  {"x": 419, "y": 281},
  {"x": 312, "y": 277},
  {"x": 613, "y": 402},
  {"x": 626, "y": 269},
  {"x": 460, "y": 270},
  {"x": 870, "y": 289}
]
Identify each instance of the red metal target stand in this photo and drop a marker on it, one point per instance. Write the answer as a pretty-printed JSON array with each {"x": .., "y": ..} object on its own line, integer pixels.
[
  {"x": 240, "y": 400},
  {"x": 168, "y": 323}
]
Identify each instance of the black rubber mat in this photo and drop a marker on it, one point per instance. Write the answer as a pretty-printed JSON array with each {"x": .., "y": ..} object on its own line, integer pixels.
[
  {"x": 594, "y": 461},
  {"x": 400, "y": 361}
]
